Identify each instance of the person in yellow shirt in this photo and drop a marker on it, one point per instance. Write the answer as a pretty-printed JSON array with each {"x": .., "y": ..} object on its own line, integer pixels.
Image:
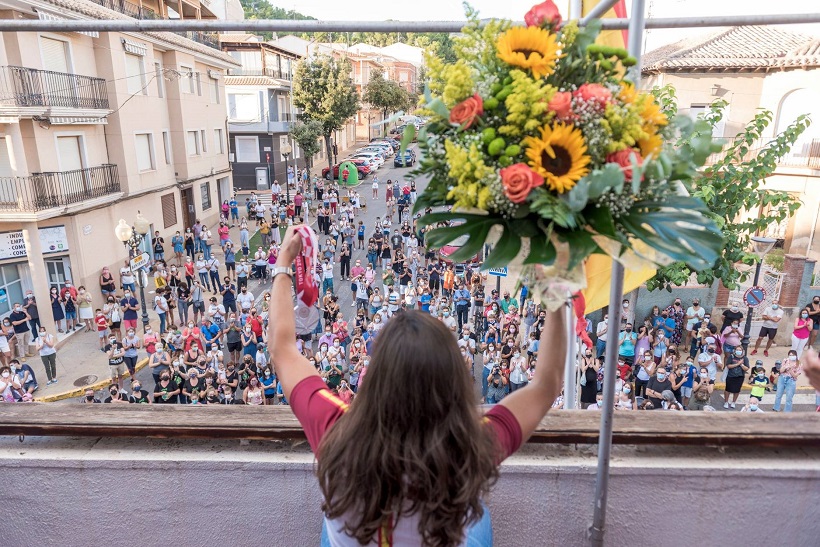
[
  {"x": 448, "y": 281},
  {"x": 759, "y": 382}
]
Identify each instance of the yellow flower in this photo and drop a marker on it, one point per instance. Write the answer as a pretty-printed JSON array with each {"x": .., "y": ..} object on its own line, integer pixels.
[
  {"x": 627, "y": 94},
  {"x": 559, "y": 156},
  {"x": 650, "y": 145},
  {"x": 529, "y": 47},
  {"x": 650, "y": 111}
]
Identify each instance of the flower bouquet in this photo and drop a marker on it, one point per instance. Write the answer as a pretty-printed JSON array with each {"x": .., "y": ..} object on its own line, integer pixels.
[{"x": 539, "y": 146}]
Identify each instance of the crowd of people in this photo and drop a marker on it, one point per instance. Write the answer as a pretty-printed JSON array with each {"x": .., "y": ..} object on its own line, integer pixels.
[{"x": 211, "y": 341}]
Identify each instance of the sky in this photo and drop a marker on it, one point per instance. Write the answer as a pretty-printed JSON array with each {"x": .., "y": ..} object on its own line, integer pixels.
[{"x": 452, "y": 10}]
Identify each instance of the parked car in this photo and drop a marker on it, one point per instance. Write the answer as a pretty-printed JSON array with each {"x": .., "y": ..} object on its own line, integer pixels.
[
  {"x": 368, "y": 161},
  {"x": 382, "y": 147},
  {"x": 368, "y": 150},
  {"x": 399, "y": 131},
  {"x": 392, "y": 142},
  {"x": 455, "y": 245},
  {"x": 376, "y": 160},
  {"x": 407, "y": 160},
  {"x": 363, "y": 169}
]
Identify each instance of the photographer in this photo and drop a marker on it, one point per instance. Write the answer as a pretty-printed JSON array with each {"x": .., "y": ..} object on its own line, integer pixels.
[{"x": 496, "y": 386}]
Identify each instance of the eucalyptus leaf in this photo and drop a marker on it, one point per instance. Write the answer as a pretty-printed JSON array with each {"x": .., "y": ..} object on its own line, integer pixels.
[
  {"x": 601, "y": 180},
  {"x": 438, "y": 107},
  {"x": 577, "y": 198}
]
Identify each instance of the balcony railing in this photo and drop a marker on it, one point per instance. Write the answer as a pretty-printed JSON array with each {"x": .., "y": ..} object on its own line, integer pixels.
[
  {"x": 804, "y": 154},
  {"x": 129, "y": 8},
  {"x": 209, "y": 39},
  {"x": 271, "y": 73},
  {"x": 25, "y": 87},
  {"x": 57, "y": 189}
]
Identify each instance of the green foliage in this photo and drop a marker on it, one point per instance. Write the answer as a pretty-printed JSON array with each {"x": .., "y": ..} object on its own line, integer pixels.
[
  {"x": 261, "y": 9},
  {"x": 731, "y": 188},
  {"x": 386, "y": 95},
  {"x": 324, "y": 92},
  {"x": 775, "y": 258},
  {"x": 307, "y": 135}
]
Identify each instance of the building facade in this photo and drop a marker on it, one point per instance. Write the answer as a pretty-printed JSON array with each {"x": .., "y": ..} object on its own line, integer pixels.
[
  {"x": 95, "y": 127},
  {"x": 753, "y": 68},
  {"x": 260, "y": 112}
]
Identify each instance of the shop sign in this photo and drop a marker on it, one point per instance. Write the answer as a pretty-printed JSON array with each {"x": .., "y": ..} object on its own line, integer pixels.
[{"x": 52, "y": 240}]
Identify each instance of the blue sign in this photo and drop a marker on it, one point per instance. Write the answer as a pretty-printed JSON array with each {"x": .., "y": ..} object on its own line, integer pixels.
[
  {"x": 754, "y": 296},
  {"x": 498, "y": 272}
]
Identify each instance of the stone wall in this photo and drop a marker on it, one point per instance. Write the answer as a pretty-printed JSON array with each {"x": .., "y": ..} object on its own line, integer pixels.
[{"x": 67, "y": 492}]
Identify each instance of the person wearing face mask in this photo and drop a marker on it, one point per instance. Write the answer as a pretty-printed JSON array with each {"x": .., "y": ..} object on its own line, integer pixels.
[
  {"x": 701, "y": 390},
  {"x": 626, "y": 344},
  {"x": 758, "y": 381},
  {"x": 790, "y": 370},
  {"x": 116, "y": 395},
  {"x": 657, "y": 385},
  {"x": 589, "y": 378},
  {"x": 138, "y": 395},
  {"x": 518, "y": 370},
  {"x": 601, "y": 333},
  {"x": 694, "y": 314},
  {"x": 645, "y": 370},
  {"x": 627, "y": 313},
  {"x": 687, "y": 372},
  {"x": 802, "y": 331},
  {"x": 676, "y": 315},
  {"x": 731, "y": 315},
  {"x": 814, "y": 315},
  {"x": 732, "y": 337},
  {"x": 89, "y": 397},
  {"x": 772, "y": 316},
  {"x": 116, "y": 360},
  {"x": 131, "y": 344},
  {"x": 45, "y": 345},
  {"x": 166, "y": 391},
  {"x": 737, "y": 365},
  {"x": 626, "y": 398},
  {"x": 248, "y": 341},
  {"x": 752, "y": 406},
  {"x": 255, "y": 393},
  {"x": 19, "y": 319}
]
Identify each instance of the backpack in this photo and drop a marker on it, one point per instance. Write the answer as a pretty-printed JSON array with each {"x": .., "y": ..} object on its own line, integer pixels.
[{"x": 115, "y": 314}]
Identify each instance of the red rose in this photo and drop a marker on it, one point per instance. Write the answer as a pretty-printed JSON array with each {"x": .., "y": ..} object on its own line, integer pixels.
[
  {"x": 561, "y": 104},
  {"x": 518, "y": 181},
  {"x": 623, "y": 158},
  {"x": 467, "y": 111},
  {"x": 594, "y": 94},
  {"x": 545, "y": 12}
]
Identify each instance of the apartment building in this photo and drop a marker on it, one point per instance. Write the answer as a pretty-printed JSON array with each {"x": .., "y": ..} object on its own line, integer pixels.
[
  {"x": 95, "y": 127},
  {"x": 260, "y": 111},
  {"x": 752, "y": 68}
]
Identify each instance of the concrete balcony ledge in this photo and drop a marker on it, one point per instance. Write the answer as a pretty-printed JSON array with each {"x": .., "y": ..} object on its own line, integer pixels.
[{"x": 708, "y": 495}]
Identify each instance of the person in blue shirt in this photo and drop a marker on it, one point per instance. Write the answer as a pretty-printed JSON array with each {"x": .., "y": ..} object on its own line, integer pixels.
[
  {"x": 626, "y": 344},
  {"x": 234, "y": 210},
  {"x": 360, "y": 235},
  {"x": 461, "y": 298},
  {"x": 668, "y": 325},
  {"x": 211, "y": 331},
  {"x": 425, "y": 300}
]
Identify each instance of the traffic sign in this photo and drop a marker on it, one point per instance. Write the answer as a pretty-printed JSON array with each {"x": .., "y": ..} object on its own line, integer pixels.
[
  {"x": 498, "y": 272},
  {"x": 754, "y": 296},
  {"x": 141, "y": 261}
]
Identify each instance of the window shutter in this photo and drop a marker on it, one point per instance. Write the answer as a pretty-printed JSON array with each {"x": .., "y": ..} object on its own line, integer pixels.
[
  {"x": 55, "y": 56},
  {"x": 169, "y": 210},
  {"x": 143, "y": 148}
]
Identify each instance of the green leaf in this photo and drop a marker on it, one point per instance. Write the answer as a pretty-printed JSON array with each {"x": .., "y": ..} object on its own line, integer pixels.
[
  {"x": 407, "y": 137},
  {"x": 439, "y": 108},
  {"x": 581, "y": 245},
  {"x": 542, "y": 251},
  {"x": 504, "y": 251},
  {"x": 577, "y": 198},
  {"x": 601, "y": 180},
  {"x": 600, "y": 219}
]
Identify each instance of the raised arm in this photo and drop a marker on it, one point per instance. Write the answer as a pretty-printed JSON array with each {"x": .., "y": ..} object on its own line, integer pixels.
[
  {"x": 291, "y": 366},
  {"x": 531, "y": 404}
]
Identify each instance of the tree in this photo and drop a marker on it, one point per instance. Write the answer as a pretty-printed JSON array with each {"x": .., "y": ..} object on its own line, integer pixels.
[
  {"x": 324, "y": 92},
  {"x": 734, "y": 190},
  {"x": 386, "y": 95},
  {"x": 261, "y": 9},
  {"x": 307, "y": 135}
]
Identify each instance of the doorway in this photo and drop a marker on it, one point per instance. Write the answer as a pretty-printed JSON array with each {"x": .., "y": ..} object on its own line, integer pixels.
[{"x": 188, "y": 209}]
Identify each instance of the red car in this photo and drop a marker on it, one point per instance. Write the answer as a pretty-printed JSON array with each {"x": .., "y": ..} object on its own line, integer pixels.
[
  {"x": 361, "y": 167},
  {"x": 455, "y": 245}
]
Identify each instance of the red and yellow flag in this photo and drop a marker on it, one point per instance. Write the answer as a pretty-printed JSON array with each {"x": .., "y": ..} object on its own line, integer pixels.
[{"x": 613, "y": 38}]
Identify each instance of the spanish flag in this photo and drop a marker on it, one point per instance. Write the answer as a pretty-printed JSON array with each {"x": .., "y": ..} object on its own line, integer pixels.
[{"x": 613, "y": 38}]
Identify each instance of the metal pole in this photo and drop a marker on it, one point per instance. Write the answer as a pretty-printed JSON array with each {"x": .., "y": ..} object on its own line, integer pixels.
[
  {"x": 616, "y": 296},
  {"x": 291, "y": 26},
  {"x": 616, "y": 293},
  {"x": 748, "y": 327},
  {"x": 570, "y": 366},
  {"x": 576, "y": 9},
  {"x": 598, "y": 11}
]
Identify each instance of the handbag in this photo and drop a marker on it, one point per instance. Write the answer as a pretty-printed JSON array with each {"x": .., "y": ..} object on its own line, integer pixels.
[{"x": 583, "y": 378}]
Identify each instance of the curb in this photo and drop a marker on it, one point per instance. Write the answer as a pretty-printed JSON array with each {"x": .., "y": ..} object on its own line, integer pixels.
[{"x": 80, "y": 390}]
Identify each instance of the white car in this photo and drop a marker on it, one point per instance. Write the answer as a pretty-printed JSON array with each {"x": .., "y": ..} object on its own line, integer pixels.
[
  {"x": 385, "y": 149},
  {"x": 375, "y": 159}
]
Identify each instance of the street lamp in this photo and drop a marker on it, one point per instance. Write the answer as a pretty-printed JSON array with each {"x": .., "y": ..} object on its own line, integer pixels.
[
  {"x": 760, "y": 247},
  {"x": 286, "y": 151},
  {"x": 132, "y": 237}
]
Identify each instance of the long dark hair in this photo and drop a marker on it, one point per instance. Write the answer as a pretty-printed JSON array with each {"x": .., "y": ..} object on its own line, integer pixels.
[{"x": 413, "y": 442}]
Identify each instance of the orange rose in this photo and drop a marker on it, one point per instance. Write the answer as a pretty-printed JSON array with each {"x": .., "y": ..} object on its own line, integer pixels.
[
  {"x": 594, "y": 94},
  {"x": 465, "y": 112},
  {"x": 518, "y": 181},
  {"x": 546, "y": 12},
  {"x": 623, "y": 158},
  {"x": 561, "y": 104}
]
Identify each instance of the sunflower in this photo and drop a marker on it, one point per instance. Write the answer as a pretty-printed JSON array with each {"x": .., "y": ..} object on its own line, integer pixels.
[
  {"x": 651, "y": 112},
  {"x": 529, "y": 47},
  {"x": 650, "y": 145},
  {"x": 559, "y": 156}
]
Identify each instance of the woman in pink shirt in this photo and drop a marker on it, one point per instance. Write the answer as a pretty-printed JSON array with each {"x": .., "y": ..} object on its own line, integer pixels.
[{"x": 801, "y": 332}]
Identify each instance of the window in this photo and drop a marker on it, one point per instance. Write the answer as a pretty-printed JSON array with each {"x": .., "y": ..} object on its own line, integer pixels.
[
  {"x": 202, "y": 140},
  {"x": 193, "y": 144},
  {"x": 10, "y": 287},
  {"x": 166, "y": 146},
  {"x": 169, "y": 210},
  {"x": 134, "y": 73},
  {"x": 159, "y": 77},
  {"x": 247, "y": 149},
  {"x": 243, "y": 106},
  {"x": 70, "y": 152},
  {"x": 699, "y": 110},
  {"x": 187, "y": 79},
  {"x": 205, "y": 190},
  {"x": 145, "y": 151},
  {"x": 198, "y": 84},
  {"x": 214, "y": 90},
  {"x": 219, "y": 144},
  {"x": 55, "y": 55}
]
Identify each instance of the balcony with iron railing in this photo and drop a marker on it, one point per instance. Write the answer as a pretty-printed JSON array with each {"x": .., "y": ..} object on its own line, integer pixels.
[
  {"x": 210, "y": 39},
  {"x": 41, "y": 191},
  {"x": 803, "y": 155},
  {"x": 269, "y": 72},
  {"x": 129, "y": 8},
  {"x": 22, "y": 87}
]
